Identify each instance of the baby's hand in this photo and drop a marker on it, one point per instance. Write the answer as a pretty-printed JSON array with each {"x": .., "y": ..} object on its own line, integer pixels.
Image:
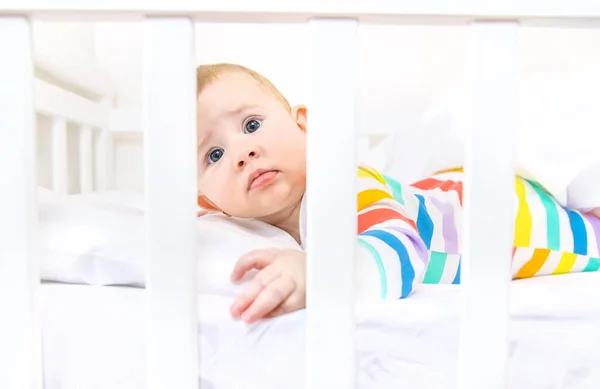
[{"x": 279, "y": 287}]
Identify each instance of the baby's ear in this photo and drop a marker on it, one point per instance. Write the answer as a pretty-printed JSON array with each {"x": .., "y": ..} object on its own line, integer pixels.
[
  {"x": 299, "y": 114},
  {"x": 206, "y": 204}
]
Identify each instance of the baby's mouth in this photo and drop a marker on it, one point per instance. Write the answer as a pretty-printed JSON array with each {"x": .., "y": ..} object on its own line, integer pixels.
[{"x": 261, "y": 178}]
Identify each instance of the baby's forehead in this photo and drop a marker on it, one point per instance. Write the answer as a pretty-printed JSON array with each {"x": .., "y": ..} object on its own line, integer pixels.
[
  {"x": 232, "y": 94},
  {"x": 228, "y": 92}
]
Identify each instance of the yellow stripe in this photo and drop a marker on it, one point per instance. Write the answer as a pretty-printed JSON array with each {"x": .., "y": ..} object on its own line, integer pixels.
[
  {"x": 536, "y": 262},
  {"x": 566, "y": 263},
  {"x": 523, "y": 223},
  {"x": 371, "y": 196},
  {"x": 363, "y": 172},
  {"x": 451, "y": 170}
]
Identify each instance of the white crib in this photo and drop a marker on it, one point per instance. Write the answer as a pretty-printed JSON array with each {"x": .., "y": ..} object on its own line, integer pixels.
[{"x": 169, "y": 136}]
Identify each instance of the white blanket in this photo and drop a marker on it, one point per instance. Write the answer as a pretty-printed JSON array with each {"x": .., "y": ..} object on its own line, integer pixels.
[
  {"x": 94, "y": 338},
  {"x": 558, "y": 136}
]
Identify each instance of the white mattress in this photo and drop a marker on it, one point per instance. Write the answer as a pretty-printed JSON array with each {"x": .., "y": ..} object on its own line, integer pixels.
[{"x": 94, "y": 338}]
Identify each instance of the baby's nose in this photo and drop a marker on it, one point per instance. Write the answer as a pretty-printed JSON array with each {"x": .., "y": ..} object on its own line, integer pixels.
[{"x": 245, "y": 157}]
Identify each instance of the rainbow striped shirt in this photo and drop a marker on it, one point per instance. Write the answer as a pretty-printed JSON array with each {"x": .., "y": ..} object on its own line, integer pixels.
[
  {"x": 391, "y": 255},
  {"x": 411, "y": 234}
]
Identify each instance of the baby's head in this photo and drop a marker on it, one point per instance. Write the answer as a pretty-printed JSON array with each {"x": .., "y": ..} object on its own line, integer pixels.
[{"x": 251, "y": 144}]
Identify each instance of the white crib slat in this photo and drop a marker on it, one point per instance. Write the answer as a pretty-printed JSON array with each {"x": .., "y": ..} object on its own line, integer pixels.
[
  {"x": 103, "y": 160},
  {"x": 170, "y": 169},
  {"x": 331, "y": 217},
  {"x": 19, "y": 339},
  {"x": 86, "y": 175},
  {"x": 489, "y": 202},
  {"x": 104, "y": 155},
  {"x": 60, "y": 156}
]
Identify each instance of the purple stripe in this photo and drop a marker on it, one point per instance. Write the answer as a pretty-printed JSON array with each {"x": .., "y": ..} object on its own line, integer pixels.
[
  {"x": 595, "y": 222},
  {"x": 415, "y": 239},
  {"x": 449, "y": 232}
]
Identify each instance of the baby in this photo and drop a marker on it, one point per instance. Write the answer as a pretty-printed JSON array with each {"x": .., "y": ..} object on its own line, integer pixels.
[{"x": 252, "y": 164}]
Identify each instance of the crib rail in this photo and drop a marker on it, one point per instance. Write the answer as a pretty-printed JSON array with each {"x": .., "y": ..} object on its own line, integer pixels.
[
  {"x": 80, "y": 75},
  {"x": 76, "y": 94},
  {"x": 276, "y": 11},
  {"x": 170, "y": 140},
  {"x": 19, "y": 334},
  {"x": 332, "y": 123},
  {"x": 170, "y": 170},
  {"x": 486, "y": 264}
]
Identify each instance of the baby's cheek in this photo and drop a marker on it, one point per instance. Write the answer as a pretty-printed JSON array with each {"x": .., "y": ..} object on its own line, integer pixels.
[{"x": 228, "y": 199}]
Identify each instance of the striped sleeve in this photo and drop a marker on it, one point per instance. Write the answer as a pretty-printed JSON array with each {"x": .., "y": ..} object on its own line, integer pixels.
[{"x": 391, "y": 255}]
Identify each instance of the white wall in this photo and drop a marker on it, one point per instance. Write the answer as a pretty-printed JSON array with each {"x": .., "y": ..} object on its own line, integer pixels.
[
  {"x": 401, "y": 80},
  {"x": 63, "y": 40},
  {"x": 402, "y": 69}
]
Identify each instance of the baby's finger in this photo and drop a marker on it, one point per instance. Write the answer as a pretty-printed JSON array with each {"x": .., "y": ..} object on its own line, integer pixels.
[
  {"x": 278, "y": 311},
  {"x": 256, "y": 259},
  {"x": 291, "y": 304},
  {"x": 269, "y": 299},
  {"x": 260, "y": 281}
]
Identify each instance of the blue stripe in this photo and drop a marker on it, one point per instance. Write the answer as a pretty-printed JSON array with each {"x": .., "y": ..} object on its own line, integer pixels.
[
  {"x": 456, "y": 280},
  {"x": 424, "y": 222},
  {"x": 580, "y": 244},
  {"x": 408, "y": 273}
]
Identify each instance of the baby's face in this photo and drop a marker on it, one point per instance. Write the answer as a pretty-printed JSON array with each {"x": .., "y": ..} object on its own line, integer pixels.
[{"x": 251, "y": 149}]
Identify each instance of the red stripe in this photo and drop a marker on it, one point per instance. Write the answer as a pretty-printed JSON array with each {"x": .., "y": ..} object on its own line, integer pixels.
[
  {"x": 370, "y": 218},
  {"x": 446, "y": 186}
]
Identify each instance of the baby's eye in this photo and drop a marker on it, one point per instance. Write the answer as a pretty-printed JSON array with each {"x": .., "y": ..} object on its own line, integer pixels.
[
  {"x": 252, "y": 125},
  {"x": 215, "y": 155}
]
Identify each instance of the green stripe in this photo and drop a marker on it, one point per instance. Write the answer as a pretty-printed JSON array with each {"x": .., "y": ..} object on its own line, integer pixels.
[
  {"x": 377, "y": 259},
  {"x": 396, "y": 189},
  {"x": 593, "y": 265},
  {"x": 435, "y": 267},
  {"x": 552, "y": 218}
]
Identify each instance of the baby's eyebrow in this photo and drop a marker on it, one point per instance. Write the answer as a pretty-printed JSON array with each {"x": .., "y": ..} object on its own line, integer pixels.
[
  {"x": 202, "y": 142},
  {"x": 239, "y": 109}
]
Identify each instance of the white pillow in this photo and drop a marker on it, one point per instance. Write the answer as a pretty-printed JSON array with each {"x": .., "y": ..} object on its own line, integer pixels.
[
  {"x": 88, "y": 241},
  {"x": 223, "y": 240},
  {"x": 95, "y": 241}
]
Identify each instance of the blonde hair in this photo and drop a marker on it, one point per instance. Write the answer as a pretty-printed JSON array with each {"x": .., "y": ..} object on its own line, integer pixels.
[{"x": 206, "y": 74}]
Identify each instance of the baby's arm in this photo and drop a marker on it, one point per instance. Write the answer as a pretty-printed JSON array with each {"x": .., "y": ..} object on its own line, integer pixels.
[{"x": 391, "y": 256}]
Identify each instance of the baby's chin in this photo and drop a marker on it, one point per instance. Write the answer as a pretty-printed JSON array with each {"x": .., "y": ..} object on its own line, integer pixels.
[{"x": 277, "y": 200}]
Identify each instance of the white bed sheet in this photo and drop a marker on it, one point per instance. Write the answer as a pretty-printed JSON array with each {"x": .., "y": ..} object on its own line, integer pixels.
[{"x": 94, "y": 338}]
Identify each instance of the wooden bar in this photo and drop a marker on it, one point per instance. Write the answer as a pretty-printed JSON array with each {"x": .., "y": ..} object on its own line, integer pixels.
[
  {"x": 489, "y": 206},
  {"x": 86, "y": 153},
  {"x": 170, "y": 169},
  {"x": 60, "y": 156},
  {"x": 20, "y": 345},
  {"x": 331, "y": 209}
]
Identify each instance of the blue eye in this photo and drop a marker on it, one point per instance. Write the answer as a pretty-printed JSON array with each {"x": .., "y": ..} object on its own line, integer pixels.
[
  {"x": 215, "y": 155},
  {"x": 252, "y": 125}
]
